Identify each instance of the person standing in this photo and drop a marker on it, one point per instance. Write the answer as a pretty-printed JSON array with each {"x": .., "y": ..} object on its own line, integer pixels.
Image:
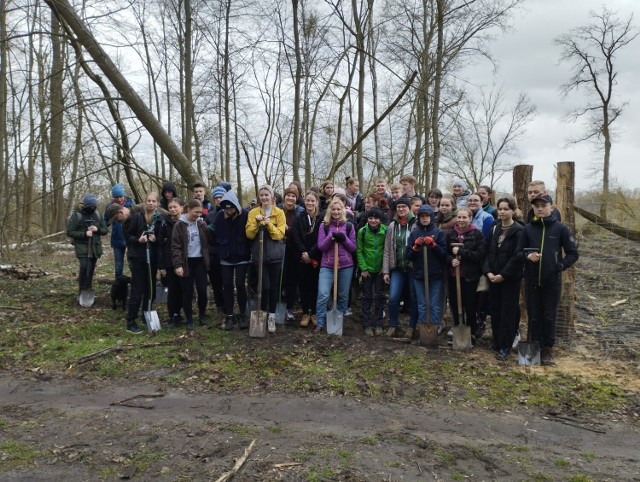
[
  {"x": 355, "y": 201},
  {"x": 460, "y": 192},
  {"x": 549, "y": 249},
  {"x": 118, "y": 241},
  {"x": 190, "y": 258},
  {"x": 85, "y": 228},
  {"x": 214, "y": 273},
  {"x": 291, "y": 209},
  {"x": 504, "y": 268}
]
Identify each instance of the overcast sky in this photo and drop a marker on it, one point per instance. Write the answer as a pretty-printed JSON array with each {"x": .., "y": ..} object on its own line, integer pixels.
[{"x": 529, "y": 62}]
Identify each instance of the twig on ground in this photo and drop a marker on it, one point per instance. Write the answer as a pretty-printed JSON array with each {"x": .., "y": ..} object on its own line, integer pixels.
[
  {"x": 239, "y": 463},
  {"x": 618, "y": 303},
  {"x": 123, "y": 403},
  {"x": 99, "y": 353},
  {"x": 18, "y": 308},
  {"x": 287, "y": 464}
]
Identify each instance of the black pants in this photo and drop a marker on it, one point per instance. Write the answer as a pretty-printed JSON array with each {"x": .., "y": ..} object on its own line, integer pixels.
[
  {"x": 505, "y": 312},
  {"x": 197, "y": 276},
  {"x": 542, "y": 308},
  {"x": 308, "y": 286},
  {"x": 290, "y": 278},
  {"x": 85, "y": 279},
  {"x": 215, "y": 278},
  {"x": 372, "y": 295},
  {"x": 141, "y": 286},
  {"x": 174, "y": 297},
  {"x": 229, "y": 273},
  {"x": 469, "y": 302},
  {"x": 270, "y": 286}
]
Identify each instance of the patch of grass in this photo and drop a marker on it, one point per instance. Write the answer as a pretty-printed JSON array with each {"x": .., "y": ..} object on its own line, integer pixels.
[
  {"x": 14, "y": 454},
  {"x": 317, "y": 474},
  {"x": 370, "y": 440},
  {"x": 394, "y": 465},
  {"x": 275, "y": 429},
  {"x": 562, "y": 463},
  {"x": 590, "y": 456},
  {"x": 240, "y": 429},
  {"x": 447, "y": 458},
  {"x": 458, "y": 476},
  {"x": 345, "y": 454},
  {"x": 579, "y": 478},
  {"x": 537, "y": 477}
]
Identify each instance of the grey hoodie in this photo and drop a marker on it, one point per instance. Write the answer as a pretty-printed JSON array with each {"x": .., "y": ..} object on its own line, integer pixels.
[{"x": 194, "y": 249}]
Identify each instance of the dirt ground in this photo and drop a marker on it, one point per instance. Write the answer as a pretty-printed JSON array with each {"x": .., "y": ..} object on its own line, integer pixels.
[{"x": 82, "y": 428}]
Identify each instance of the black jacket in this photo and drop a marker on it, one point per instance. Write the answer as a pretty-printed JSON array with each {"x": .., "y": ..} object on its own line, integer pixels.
[
  {"x": 471, "y": 254},
  {"x": 303, "y": 237},
  {"x": 232, "y": 244},
  {"x": 550, "y": 238},
  {"x": 164, "y": 230},
  {"x": 133, "y": 229},
  {"x": 506, "y": 259}
]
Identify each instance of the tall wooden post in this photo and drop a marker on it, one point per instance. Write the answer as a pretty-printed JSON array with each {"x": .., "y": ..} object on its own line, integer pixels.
[
  {"x": 564, "y": 202},
  {"x": 522, "y": 176}
]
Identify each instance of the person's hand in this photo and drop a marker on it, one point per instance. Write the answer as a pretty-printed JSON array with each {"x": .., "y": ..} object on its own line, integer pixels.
[
  {"x": 498, "y": 279},
  {"x": 365, "y": 274},
  {"x": 455, "y": 263},
  {"x": 179, "y": 272},
  {"x": 259, "y": 218},
  {"x": 429, "y": 241},
  {"x": 163, "y": 272},
  {"x": 534, "y": 257},
  {"x": 385, "y": 277},
  {"x": 305, "y": 258},
  {"x": 93, "y": 229},
  {"x": 89, "y": 233},
  {"x": 338, "y": 237},
  {"x": 151, "y": 237},
  {"x": 142, "y": 239},
  {"x": 418, "y": 242}
]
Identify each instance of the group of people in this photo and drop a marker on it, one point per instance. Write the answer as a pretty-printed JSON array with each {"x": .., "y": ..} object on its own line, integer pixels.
[{"x": 392, "y": 240}]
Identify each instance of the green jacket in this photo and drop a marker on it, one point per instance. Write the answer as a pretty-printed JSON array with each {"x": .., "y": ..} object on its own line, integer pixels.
[
  {"x": 77, "y": 229},
  {"x": 370, "y": 248}
]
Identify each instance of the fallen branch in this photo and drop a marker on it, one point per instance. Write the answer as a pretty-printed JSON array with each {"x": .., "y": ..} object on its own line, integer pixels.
[
  {"x": 99, "y": 353},
  {"x": 11, "y": 308},
  {"x": 618, "y": 303},
  {"x": 627, "y": 233},
  {"x": 287, "y": 465},
  {"x": 120, "y": 347},
  {"x": 22, "y": 272},
  {"x": 239, "y": 463},
  {"x": 124, "y": 403}
]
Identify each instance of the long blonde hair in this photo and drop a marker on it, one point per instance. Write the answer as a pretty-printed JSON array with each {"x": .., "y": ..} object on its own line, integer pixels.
[{"x": 327, "y": 216}]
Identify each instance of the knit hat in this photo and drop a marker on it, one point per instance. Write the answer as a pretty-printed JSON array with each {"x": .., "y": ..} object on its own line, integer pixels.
[
  {"x": 117, "y": 191},
  {"x": 374, "y": 213},
  {"x": 290, "y": 190},
  {"x": 460, "y": 182},
  {"x": 89, "y": 201},
  {"x": 218, "y": 191},
  {"x": 406, "y": 200},
  {"x": 226, "y": 185},
  {"x": 266, "y": 187},
  {"x": 112, "y": 211}
]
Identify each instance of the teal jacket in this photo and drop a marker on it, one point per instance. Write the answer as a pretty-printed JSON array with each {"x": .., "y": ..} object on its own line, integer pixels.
[{"x": 370, "y": 248}]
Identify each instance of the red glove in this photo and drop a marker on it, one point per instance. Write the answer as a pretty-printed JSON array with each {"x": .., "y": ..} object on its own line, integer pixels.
[
  {"x": 418, "y": 242},
  {"x": 429, "y": 241}
]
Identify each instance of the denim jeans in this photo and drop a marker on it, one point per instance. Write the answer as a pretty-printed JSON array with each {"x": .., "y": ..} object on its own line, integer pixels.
[
  {"x": 396, "y": 286},
  {"x": 118, "y": 257},
  {"x": 325, "y": 291},
  {"x": 436, "y": 288}
]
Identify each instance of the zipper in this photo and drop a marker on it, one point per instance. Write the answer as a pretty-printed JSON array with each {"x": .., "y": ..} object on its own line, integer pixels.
[{"x": 541, "y": 250}]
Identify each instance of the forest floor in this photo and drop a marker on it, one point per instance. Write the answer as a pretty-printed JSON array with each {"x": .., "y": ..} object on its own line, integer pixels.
[{"x": 311, "y": 407}]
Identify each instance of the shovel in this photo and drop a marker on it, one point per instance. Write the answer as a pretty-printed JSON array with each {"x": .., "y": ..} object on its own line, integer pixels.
[
  {"x": 258, "y": 318},
  {"x": 151, "y": 316},
  {"x": 335, "y": 317},
  {"x": 87, "y": 295},
  {"x": 529, "y": 351},
  {"x": 428, "y": 330},
  {"x": 461, "y": 331},
  {"x": 281, "y": 308},
  {"x": 162, "y": 291}
]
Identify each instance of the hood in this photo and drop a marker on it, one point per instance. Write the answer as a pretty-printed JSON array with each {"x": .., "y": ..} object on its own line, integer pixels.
[
  {"x": 183, "y": 218},
  {"x": 169, "y": 186},
  {"x": 425, "y": 208},
  {"x": 230, "y": 198}
]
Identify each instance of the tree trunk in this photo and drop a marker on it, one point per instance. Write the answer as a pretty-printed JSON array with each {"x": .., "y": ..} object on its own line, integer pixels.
[
  {"x": 187, "y": 140},
  {"x": 296, "y": 96},
  {"x": 565, "y": 196},
  {"x": 437, "y": 87},
  {"x": 56, "y": 125},
  {"x": 64, "y": 10},
  {"x": 522, "y": 175}
]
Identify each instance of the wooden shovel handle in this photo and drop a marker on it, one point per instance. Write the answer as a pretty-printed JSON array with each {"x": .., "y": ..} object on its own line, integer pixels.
[{"x": 335, "y": 274}]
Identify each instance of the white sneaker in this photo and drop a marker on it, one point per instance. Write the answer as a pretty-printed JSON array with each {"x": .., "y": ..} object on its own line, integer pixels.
[
  {"x": 348, "y": 312},
  {"x": 271, "y": 323},
  {"x": 450, "y": 333},
  {"x": 289, "y": 316},
  {"x": 516, "y": 340}
]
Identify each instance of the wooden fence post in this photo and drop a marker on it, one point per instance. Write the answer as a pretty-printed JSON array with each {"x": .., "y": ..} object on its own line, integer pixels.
[
  {"x": 564, "y": 202},
  {"x": 522, "y": 176}
]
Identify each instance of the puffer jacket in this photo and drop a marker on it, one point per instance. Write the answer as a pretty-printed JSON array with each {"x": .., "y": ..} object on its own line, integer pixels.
[
  {"x": 471, "y": 254},
  {"x": 370, "y": 248},
  {"x": 345, "y": 249},
  {"x": 77, "y": 231},
  {"x": 505, "y": 259}
]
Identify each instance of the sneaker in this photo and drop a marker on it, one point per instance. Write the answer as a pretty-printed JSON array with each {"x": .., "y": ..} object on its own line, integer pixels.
[
  {"x": 546, "y": 357},
  {"x": 516, "y": 340},
  {"x": 133, "y": 328},
  {"x": 502, "y": 354},
  {"x": 228, "y": 323},
  {"x": 450, "y": 333},
  {"x": 378, "y": 331},
  {"x": 203, "y": 320},
  {"x": 409, "y": 333},
  {"x": 289, "y": 316},
  {"x": 304, "y": 322},
  {"x": 392, "y": 331},
  {"x": 244, "y": 323},
  {"x": 441, "y": 329},
  {"x": 190, "y": 326},
  {"x": 271, "y": 323},
  {"x": 368, "y": 331},
  {"x": 348, "y": 312}
]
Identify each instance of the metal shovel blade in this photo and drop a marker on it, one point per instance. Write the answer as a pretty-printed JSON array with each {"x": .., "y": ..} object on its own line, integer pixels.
[
  {"x": 462, "y": 337},
  {"x": 258, "y": 324},
  {"x": 428, "y": 334},
  {"x": 281, "y": 312},
  {"x": 153, "y": 322},
  {"x": 334, "y": 321},
  {"x": 87, "y": 298},
  {"x": 529, "y": 353}
]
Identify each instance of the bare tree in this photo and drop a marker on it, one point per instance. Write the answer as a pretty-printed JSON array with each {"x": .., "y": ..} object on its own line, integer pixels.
[{"x": 592, "y": 50}]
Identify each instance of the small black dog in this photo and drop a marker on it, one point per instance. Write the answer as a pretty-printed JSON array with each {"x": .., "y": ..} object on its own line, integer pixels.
[{"x": 120, "y": 291}]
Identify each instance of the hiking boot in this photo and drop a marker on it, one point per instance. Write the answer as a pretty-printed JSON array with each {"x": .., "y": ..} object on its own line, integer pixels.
[
  {"x": 304, "y": 322},
  {"x": 368, "y": 331},
  {"x": 314, "y": 320},
  {"x": 409, "y": 332},
  {"x": 190, "y": 326},
  {"x": 546, "y": 357},
  {"x": 228, "y": 323},
  {"x": 289, "y": 316},
  {"x": 271, "y": 323},
  {"x": 133, "y": 328},
  {"x": 244, "y": 323},
  {"x": 392, "y": 331}
]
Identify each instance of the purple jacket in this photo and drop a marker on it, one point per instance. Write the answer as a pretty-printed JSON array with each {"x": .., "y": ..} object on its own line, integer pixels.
[{"x": 325, "y": 245}]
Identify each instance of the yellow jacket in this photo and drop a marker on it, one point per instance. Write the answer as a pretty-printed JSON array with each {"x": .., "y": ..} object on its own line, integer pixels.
[{"x": 275, "y": 228}]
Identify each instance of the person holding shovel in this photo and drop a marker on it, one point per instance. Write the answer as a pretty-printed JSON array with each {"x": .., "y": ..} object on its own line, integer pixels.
[
  {"x": 466, "y": 248},
  {"x": 85, "y": 227},
  {"x": 271, "y": 218},
  {"x": 426, "y": 234},
  {"x": 334, "y": 231},
  {"x": 190, "y": 257},
  {"x": 543, "y": 243},
  {"x": 503, "y": 266}
]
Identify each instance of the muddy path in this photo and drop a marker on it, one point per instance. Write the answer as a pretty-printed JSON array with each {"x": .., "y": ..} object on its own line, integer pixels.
[{"x": 72, "y": 431}]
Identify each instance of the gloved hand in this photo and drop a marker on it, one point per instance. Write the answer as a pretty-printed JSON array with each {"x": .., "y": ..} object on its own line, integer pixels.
[
  {"x": 338, "y": 237},
  {"x": 429, "y": 241},
  {"x": 418, "y": 242}
]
